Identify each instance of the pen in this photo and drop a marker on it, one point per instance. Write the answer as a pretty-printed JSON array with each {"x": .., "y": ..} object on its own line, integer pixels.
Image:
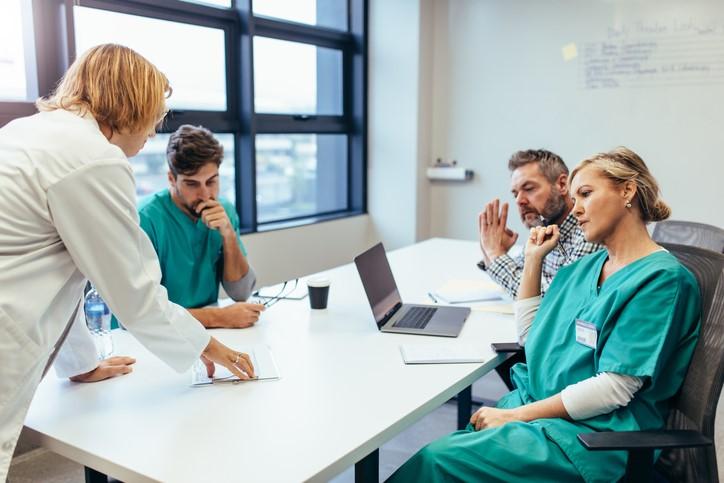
[{"x": 432, "y": 297}]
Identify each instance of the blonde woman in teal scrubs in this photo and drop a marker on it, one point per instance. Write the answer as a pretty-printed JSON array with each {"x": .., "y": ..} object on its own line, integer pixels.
[{"x": 606, "y": 348}]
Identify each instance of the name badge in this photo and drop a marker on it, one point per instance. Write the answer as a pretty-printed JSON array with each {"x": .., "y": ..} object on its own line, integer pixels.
[{"x": 586, "y": 333}]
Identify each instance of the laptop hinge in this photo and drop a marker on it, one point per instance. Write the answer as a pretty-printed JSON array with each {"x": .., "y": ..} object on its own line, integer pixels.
[{"x": 389, "y": 314}]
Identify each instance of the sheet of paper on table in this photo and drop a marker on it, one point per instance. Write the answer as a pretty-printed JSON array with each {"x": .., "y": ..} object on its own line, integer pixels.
[
  {"x": 443, "y": 354},
  {"x": 496, "y": 308},
  {"x": 466, "y": 291}
]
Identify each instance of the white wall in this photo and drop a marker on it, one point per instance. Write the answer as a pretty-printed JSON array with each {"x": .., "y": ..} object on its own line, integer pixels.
[
  {"x": 501, "y": 85},
  {"x": 399, "y": 119}
]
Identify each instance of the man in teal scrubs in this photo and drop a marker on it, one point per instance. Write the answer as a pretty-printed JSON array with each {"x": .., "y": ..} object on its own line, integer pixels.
[
  {"x": 628, "y": 313},
  {"x": 196, "y": 233}
]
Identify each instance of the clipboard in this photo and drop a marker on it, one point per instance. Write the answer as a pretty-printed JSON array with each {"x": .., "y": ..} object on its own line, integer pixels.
[{"x": 261, "y": 357}]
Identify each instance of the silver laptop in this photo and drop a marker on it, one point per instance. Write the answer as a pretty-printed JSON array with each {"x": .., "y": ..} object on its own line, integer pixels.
[{"x": 391, "y": 314}]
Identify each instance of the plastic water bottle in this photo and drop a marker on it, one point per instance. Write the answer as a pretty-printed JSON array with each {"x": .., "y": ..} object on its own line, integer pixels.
[{"x": 98, "y": 319}]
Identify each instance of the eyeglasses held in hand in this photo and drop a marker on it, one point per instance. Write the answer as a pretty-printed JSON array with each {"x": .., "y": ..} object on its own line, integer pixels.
[{"x": 283, "y": 293}]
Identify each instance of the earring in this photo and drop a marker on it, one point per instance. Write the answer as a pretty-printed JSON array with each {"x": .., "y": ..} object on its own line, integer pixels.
[{"x": 628, "y": 204}]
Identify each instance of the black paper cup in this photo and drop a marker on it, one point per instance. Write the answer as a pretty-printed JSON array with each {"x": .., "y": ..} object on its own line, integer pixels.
[{"x": 318, "y": 292}]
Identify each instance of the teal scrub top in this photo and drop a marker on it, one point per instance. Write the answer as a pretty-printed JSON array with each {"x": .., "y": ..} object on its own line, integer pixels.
[
  {"x": 190, "y": 253},
  {"x": 647, "y": 319}
]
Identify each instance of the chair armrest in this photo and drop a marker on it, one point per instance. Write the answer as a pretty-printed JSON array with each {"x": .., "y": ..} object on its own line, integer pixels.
[
  {"x": 507, "y": 347},
  {"x": 637, "y": 440}
]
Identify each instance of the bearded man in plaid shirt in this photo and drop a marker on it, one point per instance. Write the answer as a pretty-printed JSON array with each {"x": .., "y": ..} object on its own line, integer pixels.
[{"x": 539, "y": 183}]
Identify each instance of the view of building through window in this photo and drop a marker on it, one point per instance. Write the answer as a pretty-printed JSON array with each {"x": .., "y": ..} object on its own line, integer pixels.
[
  {"x": 298, "y": 174},
  {"x": 191, "y": 56},
  {"x": 296, "y": 78},
  {"x": 13, "y": 78}
]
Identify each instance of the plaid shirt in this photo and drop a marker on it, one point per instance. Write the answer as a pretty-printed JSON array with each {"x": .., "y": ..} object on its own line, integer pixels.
[{"x": 508, "y": 271}]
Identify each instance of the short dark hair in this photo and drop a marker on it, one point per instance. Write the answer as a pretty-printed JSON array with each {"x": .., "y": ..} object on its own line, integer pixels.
[
  {"x": 551, "y": 165},
  {"x": 192, "y": 147}
]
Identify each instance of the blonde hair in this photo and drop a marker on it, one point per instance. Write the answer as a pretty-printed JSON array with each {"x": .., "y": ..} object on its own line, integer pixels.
[
  {"x": 621, "y": 165},
  {"x": 116, "y": 85}
]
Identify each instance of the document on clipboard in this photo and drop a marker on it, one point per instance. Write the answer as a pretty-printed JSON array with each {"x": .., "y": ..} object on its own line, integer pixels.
[{"x": 265, "y": 368}]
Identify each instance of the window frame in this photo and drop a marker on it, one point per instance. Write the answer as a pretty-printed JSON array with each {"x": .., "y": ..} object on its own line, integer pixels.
[{"x": 54, "y": 37}]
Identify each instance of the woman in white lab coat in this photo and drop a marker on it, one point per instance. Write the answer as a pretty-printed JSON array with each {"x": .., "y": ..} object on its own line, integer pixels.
[{"x": 69, "y": 214}]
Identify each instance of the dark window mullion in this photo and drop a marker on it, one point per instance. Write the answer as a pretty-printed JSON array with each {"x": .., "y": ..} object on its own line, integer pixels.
[
  {"x": 214, "y": 120},
  {"x": 152, "y": 10},
  {"x": 246, "y": 149},
  {"x": 321, "y": 215},
  {"x": 358, "y": 11},
  {"x": 290, "y": 124},
  {"x": 294, "y": 32},
  {"x": 52, "y": 29},
  {"x": 174, "y": 10}
]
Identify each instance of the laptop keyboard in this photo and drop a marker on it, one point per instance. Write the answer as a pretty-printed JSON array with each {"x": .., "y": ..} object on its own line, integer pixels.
[{"x": 416, "y": 318}]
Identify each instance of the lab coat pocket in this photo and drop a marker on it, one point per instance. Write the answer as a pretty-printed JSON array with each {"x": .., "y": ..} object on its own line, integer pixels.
[{"x": 19, "y": 355}]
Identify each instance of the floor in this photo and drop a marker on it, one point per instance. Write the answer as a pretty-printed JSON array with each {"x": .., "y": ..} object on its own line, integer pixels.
[{"x": 39, "y": 465}]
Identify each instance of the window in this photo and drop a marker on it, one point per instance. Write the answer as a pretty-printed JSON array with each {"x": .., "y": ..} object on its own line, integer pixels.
[
  {"x": 281, "y": 83},
  {"x": 324, "y": 13},
  {"x": 17, "y": 75},
  {"x": 308, "y": 110},
  {"x": 290, "y": 77},
  {"x": 300, "y": 175},
  {"x": 191, "y": 56}
]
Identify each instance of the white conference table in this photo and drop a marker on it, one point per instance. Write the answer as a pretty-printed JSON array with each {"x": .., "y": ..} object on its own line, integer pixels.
[{"x": 344, "y": 390}]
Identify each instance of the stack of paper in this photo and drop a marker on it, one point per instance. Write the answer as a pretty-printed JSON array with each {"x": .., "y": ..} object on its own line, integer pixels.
[
  {"x": 261, "y": 358},
  {"x": 506, "y": 309},
  {"x": 466, "y": 291},
  {"x": 444, "y": 354}
]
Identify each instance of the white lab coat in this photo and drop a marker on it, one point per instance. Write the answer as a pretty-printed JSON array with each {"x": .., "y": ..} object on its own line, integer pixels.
[{"x": 68, "y": 213}]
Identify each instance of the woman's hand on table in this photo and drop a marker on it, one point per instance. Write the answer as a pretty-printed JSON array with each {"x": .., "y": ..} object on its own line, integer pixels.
[
  {"x": 238, "y": 363},
  {"x": 111, "y": 367}
]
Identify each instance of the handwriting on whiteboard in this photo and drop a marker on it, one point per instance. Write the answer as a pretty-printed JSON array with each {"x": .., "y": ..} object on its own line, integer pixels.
[{"x": 682, "y": 52}]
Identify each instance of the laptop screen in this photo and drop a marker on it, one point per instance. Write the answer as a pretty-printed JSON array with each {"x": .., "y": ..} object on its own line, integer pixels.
[{"x": 376, "y": 275}]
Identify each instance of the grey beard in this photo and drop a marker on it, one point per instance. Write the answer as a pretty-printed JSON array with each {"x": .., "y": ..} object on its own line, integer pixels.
[{"x": 554, "y": 208}]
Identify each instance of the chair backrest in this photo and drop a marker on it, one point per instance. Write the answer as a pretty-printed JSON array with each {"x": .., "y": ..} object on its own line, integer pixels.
[
  {"x": 689, "y": 233},
  {"x": 695, "y": 405}
]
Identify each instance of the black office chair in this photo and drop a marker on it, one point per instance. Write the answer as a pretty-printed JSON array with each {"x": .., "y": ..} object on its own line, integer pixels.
[
  {"x": 689, "y": 233},
  {"x": 687, "y": 440}
]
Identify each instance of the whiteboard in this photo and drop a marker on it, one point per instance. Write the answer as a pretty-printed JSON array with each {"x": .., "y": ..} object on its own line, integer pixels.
[{"x": 581, "y": 77}]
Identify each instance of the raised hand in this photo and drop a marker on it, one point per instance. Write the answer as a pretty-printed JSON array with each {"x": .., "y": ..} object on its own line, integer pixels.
[{"x": 495, "y": 236}]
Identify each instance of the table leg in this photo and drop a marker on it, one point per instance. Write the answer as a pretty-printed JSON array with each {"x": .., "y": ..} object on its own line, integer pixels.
[
  {"x": 465, "y": 406},
  {"x": 367, "y": 470},
  {"x": 93, "y": 476}
]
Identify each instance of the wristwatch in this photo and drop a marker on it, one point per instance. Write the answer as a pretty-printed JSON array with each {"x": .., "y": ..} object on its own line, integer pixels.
[{"x": 481, "y": 265}]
